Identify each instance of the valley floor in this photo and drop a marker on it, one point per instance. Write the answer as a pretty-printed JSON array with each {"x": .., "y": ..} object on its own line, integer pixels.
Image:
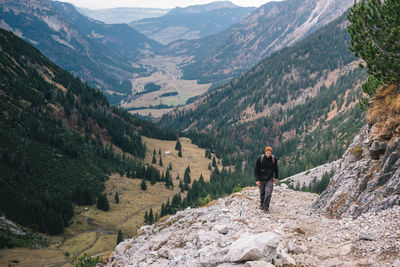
[{"x": 207, "y": 236}]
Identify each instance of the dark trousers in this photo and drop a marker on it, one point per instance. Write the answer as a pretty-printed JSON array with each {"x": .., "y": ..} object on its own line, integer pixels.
[{"x": 266, "y": 192}]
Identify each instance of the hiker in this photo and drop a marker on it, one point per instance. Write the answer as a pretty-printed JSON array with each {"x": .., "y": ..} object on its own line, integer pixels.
[{"x": 266, "y": 174}]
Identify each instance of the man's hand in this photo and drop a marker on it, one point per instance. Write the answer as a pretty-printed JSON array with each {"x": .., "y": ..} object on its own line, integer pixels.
[
  {"x": 275, "y": 180},
  {"x": 258, "y": 183}
]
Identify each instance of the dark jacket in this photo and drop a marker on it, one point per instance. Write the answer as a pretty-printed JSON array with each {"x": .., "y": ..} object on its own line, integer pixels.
[{"x": 266, "y": 168}]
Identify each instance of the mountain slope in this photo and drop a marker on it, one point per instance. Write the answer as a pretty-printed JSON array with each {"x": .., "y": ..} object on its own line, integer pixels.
[
  {"x": 58, "y": 138},
  {"x": 192, "y": 22},
  {"x": 116, "y": 37},
  {"x": 292, "y": 100},
  {"x": 122, "y": 14},
  {"x": 89, "y": 53},
  {"x": 271, "y": 27}
]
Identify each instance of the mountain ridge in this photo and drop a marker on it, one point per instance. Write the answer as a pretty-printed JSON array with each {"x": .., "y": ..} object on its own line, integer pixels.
[
  {"x": 269, "y": 28},
  {"x": 192, "y": 22}
]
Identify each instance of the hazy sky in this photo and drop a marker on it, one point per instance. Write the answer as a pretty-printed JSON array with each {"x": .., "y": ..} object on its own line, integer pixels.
[{"x": 96, "y": 4}]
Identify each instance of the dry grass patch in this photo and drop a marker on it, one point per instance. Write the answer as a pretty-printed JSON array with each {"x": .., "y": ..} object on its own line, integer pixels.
[
  {"x": 76, "y": 245},
  {"x": 385, "y": 111},
  {"x": 104, "y": 243},
  {"x": 32, "y": 257},
  {"x": 192, "y": 156}
]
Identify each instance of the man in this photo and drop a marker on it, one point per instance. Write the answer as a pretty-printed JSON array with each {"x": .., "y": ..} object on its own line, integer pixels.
[{"x": 266, "y": 174}]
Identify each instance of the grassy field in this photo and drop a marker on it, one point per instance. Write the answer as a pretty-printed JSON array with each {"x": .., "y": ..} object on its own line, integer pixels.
[
  {"x": 168, "y": 75},
  {"x": 93, "y": 231}
]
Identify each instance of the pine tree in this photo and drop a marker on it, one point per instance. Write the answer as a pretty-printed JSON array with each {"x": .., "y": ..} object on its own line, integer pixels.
[
  {"x": 146, "y": 218},
  {"x": 161, "y": 163},
  {"x": 181, "y": 186},
  {"x": 116, "y": 198},
  {"x": 151, "y": 216},
  {"x": 143, "y": 185},
  {"x": 186, "y": 177},
  {"x": 154, "y": 160},
  {"x": 214, "y": 163},
  {"x": 180, "y": 153},
  {"x": 375, "y": 29},
  {"x": 178, "y": 145},
  {"x": 170, "y": 166},
  {"x": 119, "y": 237},
  {"x": 102, "y": 202},
  {"x": 159, "y": 151}
]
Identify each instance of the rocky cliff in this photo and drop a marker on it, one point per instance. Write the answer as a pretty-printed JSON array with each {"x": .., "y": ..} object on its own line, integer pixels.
[
  {"x": 232, "y": 231},
  {"x": 368, "y": 179}
]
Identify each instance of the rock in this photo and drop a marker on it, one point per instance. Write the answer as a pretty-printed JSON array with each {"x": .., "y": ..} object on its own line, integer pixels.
[
  {"x": 160, "y": 263},
  {"x": 284, "y": 257},
  {"x": 377, "y": 148},
  {"x": 254, "y": 247},
  {"x": 163, "y": 252},
  {"x": 368, "y": 236},
  {"x": 222, "y": 229},
  {"x": 396, "y": 263},
  {"x": 204, "y": 238},
  {"x": 122, "y": 247},
  {"x": 258, "y": 264}
]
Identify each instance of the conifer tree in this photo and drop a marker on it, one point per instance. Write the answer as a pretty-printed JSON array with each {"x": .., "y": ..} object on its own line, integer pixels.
[
  {"x": 214, "y": 163},
  {"x": 119, "y": 237},
  {"x": 154, "y": 160},
  {"x": 178, "y": 145},
  {"x": 180, "y": 153},
  {"x": 102, "y": 202},
  {"x": 374, "y": 30},
  {"x": 160, "y": 162},
  {"x": 143, "y": 185},
  {"x": 151, "y": 216},
  {"x": 146, "y": 218},
  {"x": 116, "y": 198},
  {"x": 170, "y": 166}
]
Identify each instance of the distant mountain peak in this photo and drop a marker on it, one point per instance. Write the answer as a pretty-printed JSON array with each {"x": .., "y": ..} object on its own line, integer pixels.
[{"x": 202, "y": 8}]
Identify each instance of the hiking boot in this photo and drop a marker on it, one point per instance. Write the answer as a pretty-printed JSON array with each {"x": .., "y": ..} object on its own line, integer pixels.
[
  {"x": 266, "y": 210},
  {"x": 261, "y": 207}
]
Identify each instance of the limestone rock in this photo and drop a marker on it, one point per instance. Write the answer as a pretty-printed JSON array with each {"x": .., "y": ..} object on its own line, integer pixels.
[
  {"x": 254, "y": 247},
  {"x": 366, "y": 182},
  {"x": 258, "y": 264}
]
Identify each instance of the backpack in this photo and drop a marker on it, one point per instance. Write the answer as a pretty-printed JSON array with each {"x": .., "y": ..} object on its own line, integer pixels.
[{"x": 263, "y": 156}]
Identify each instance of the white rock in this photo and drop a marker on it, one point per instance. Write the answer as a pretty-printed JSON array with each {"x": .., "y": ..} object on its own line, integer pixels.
[
  {"x": 254, "y": 247},
  {"x": 258, "y": 264},
  {"x": 222, "y": 229},
  {"x": 396, "y": 263},
  {"x": 121, "y": 248}
]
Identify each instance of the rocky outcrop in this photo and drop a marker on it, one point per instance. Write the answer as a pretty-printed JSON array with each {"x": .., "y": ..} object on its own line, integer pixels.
[
  {"x": 232, "y": 231},
  {"x": 312, "y": 175},
  {"x": 368, "y": 179}
]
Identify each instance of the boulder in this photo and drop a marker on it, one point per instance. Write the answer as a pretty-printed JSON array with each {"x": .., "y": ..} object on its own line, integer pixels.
[
  {"x": 377, "y": 148},
  {"x": 222, "y": 229},
  {"x": 258, "y": 264},
  {"x": 254, "y": 247}
]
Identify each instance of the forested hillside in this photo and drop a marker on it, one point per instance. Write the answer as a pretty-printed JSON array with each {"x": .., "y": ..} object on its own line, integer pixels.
[
  {"x": 59, "y": 139},
  {"x": 271, "y": 27},
  {"x": 103, "y": 55},
  {"x": 301, "y": 100}
]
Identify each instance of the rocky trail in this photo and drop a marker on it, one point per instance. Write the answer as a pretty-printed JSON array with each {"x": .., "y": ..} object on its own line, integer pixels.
[{"x": 232, "y": 231}]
